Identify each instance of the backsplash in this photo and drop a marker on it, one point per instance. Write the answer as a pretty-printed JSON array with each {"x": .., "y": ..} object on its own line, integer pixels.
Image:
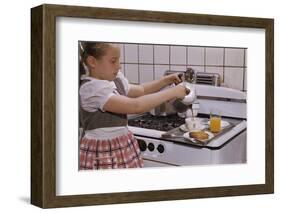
[{"x": 146, "y": 62}]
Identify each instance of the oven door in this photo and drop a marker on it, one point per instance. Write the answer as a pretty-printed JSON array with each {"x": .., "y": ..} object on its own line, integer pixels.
[
  {"x": 154, "y": 152},
  {"x": 159, "y": 153},
  {"x": 151, "y": 163}
]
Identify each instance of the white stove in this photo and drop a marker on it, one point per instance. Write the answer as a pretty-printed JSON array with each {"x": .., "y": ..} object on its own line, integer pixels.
[
  {"x": 230, "y": 147},
  {"x": 227, "y": 148}
]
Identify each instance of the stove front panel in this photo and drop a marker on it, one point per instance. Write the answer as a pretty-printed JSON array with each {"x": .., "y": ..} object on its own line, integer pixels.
[
  {"x": 163, "y": 153},
  {"x": 172, "y": 154}
]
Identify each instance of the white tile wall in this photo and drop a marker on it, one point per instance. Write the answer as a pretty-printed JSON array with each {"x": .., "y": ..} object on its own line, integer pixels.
[
  {"x": 233, "y": 77},
  {"x": 245, "y": 58},
  {"x": 178, "y": 55},
  {"x": 131, "y": 53},
  {"x": 195, "y": 56},
  {"x": 146, "y": 62},
  {"x": 161, "y": 54},
  {"x": 245, "y": 79},
  {"x": 214, "y": 56},
  {"x": 146, "y": 73},
  {"x": 177, "y": 68},
  {"x": 146, "y": 54},
  {"x": 234, "y": 57},
  {"x": 132, "y": 73},
  {"x": 160, "y": 70}
]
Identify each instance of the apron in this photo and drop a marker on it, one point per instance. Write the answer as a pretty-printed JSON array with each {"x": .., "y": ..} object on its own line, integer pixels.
[{"x": 112, "y": 153}]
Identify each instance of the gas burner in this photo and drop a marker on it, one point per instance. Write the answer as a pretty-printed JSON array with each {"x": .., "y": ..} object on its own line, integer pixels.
[{"x": 162, "y": 123}]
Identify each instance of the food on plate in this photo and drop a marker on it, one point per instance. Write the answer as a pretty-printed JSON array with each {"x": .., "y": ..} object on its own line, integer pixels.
[{"x": 199, "y": 135}]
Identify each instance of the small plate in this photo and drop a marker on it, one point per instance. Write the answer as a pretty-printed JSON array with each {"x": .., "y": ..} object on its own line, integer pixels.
[
  {"x": 186, "y": 136},
  {"x": 223, "y": 123},
  {"x": 185, "y": 129}
]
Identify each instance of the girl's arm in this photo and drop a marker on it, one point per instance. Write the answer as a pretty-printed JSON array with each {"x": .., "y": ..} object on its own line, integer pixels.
[
  {"x": 126, "y": 105},
  {"x": 153, "y": 86}
]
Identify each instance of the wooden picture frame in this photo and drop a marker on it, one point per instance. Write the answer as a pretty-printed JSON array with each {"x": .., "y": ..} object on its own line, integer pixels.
[{"x": 43, "y": 105}]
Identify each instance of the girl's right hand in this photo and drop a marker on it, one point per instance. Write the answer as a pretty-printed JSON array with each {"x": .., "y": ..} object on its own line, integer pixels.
[{"x": 181, "y": 91}]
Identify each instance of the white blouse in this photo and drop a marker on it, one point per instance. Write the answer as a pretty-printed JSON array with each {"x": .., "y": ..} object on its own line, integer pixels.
[
  {"x": 93, "y": 96},
  {"x": 95, "y": 93}
]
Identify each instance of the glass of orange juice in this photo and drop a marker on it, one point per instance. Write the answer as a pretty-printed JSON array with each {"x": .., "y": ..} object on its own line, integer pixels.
[{"x": 215, "y": 121}]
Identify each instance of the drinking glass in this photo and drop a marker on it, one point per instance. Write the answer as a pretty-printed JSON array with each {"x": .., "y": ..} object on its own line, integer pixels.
[{"x": 215, "y": 121}]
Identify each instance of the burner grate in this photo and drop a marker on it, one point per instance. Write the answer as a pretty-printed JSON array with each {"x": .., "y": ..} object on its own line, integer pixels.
[{"x": 163, "y": 123}]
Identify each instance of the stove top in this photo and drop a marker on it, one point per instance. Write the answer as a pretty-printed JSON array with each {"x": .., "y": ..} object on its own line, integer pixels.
[
  {"x": 147, "y": 125},
  {"x": 161, "y": 123}
]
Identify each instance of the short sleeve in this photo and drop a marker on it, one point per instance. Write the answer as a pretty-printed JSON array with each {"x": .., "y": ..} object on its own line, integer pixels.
[
  {"x": 95, "y": 93},
  {"x": 125, "y": 81}
]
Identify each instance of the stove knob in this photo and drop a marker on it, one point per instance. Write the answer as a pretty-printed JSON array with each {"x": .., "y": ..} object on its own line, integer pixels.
[
  {"x": 151, "y": 147},
  {"x": 142, "y": 145},
  {"x": 160, "y": 148}
]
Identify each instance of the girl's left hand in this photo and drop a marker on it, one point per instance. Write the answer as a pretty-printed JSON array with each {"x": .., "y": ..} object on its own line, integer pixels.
[{"x": 173, "y": 78}]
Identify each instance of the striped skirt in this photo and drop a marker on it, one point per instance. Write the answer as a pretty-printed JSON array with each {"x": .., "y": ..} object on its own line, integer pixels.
[{"x": 120, "y": 152}]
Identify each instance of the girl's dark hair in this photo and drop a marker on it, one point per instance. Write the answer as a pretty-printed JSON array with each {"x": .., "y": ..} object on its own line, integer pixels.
[{"x": 95, "y": 49}]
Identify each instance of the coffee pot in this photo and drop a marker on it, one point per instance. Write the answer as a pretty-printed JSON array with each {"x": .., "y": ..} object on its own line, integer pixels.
[{"x": 180, "y": 106}]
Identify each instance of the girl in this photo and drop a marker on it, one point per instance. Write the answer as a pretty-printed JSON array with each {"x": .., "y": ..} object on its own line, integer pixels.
[{"x": 106, "y": 98}]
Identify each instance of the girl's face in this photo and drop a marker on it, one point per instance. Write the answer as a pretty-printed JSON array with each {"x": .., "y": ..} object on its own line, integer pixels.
[{"x": 107, "y": 66}]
